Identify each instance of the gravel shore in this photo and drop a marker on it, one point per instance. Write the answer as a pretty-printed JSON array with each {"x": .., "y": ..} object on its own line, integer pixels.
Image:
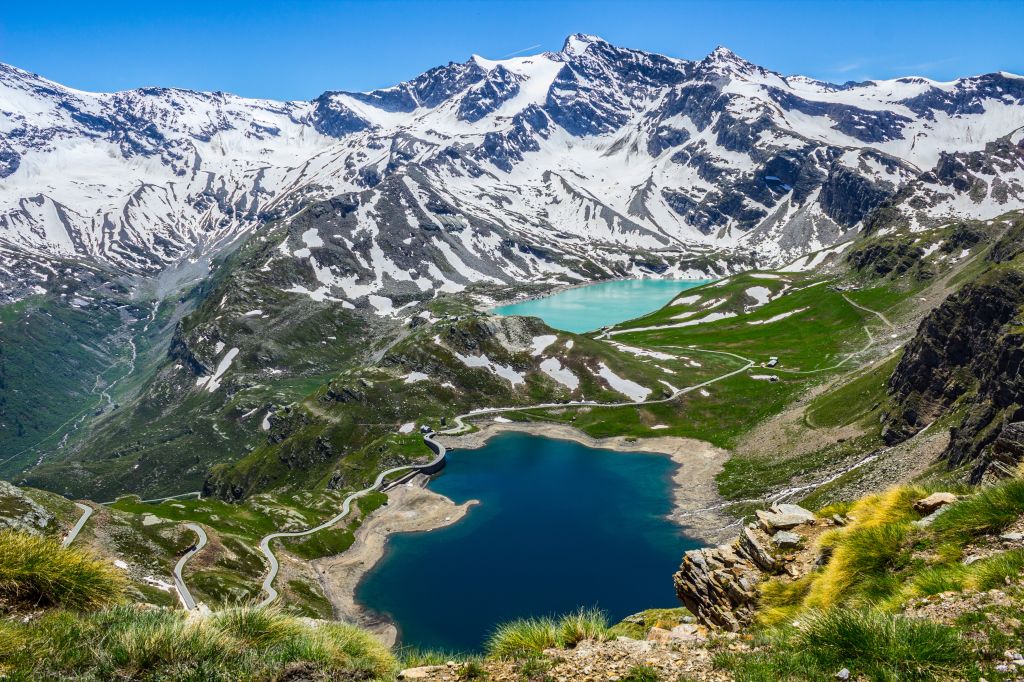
[{"x": 410, "y": 508}]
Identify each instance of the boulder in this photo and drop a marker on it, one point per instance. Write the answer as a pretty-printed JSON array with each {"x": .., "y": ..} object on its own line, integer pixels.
[
  {"x": 753, "y": 548},
  {"x": 785, "y": 539},
  {"x": 657, "y": 634},
  {"x": 680, "y": 633},
  {"x": 687, "y": 632},
  {"x": 795, "y": 510},
  {"x": 929, "y": 504},
  {"x": 783, "y": 517}
]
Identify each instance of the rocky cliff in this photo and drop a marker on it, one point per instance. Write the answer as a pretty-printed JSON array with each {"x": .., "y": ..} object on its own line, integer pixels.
[
  {"x": 968, "y": 351},
  {"x": 719, "y": 585}
]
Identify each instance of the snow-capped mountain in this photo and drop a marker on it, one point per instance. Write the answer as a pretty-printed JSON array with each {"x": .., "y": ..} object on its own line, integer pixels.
[{"x": 591, "y": 161}]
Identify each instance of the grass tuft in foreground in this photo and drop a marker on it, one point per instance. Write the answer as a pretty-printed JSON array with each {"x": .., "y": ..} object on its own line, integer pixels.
[
  {"x": 987, "y": 512},
  {"x": 871, "y": 644},
  {"x": 127, "y": 642},
  {"x": 526, "y": 637},
  {"x": 37, "y": 571}
]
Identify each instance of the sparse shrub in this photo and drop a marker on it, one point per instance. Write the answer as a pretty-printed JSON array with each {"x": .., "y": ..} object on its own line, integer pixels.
[
  {"x": 345, "y": 646},
  {"x": 772, "y": 664},
  {"x": 257, "y": 626},
  {"x": 137, "y": 640},
  {"x": 473, "y": 669},
  {"x": 13, "y": 643},
  {"x": 523, "y": 638},
  {"x": 535, "y": 669},
  {"x": 526, "y": 637},
  {"x": 872, "y": 644},
  {"x": 938, "y": 579},
  {"x": 414, "y": 657},
  {"x": 128, "y": 642},
  {"x": 38, "y": 571}
]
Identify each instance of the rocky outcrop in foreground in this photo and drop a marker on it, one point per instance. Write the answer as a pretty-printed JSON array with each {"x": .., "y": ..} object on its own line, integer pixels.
[{"x": 718, "y": 585}]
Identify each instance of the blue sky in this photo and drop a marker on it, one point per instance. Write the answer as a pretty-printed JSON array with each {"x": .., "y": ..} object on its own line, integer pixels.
[{"x": 296, "y": 50}]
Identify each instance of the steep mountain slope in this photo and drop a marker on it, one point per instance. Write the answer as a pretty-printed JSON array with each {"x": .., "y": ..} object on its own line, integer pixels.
[{"x": 590, "y": 162}]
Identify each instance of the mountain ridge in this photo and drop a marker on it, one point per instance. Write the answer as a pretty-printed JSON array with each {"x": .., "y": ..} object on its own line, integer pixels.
[{"x": 596, "y": 161}]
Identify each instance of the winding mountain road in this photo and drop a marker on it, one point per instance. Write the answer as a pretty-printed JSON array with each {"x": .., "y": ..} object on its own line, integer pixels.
[
  {"x": 77, "y": 528},
  {"x": 268, "y": 581},
  {"x": 186, "y": 597},
  {"x": 197, "y": 493}
]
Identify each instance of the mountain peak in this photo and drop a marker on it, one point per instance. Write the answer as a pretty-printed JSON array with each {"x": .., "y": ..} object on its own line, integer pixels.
[
  {"x": 723, "y": 60},
  {"x": 577, "y": 43},
  {"x": 723, "y": 55}
]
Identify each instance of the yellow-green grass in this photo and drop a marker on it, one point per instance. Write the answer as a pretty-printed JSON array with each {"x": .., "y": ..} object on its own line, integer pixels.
[
  {"x": 989, "y": 511},
  {"x": 37, "y": 571},
  {"x": 881, "y": 559},
  {"x": 529, "y": 637},
  {"x": 154, "y": 644}
]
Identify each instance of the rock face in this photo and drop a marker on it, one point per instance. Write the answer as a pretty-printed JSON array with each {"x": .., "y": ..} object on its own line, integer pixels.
[
  {"x": 21, "y": 512},
  {"x": 847, "y": 196},
  {"x": 969, "y": 344},
  {"x": 718, "y": 585}
]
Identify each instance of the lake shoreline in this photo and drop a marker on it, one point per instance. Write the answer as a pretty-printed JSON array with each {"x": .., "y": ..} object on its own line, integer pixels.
[{"x": 413, "y": 507}]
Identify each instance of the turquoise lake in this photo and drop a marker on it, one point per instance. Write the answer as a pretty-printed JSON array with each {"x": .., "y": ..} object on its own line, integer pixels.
[
  {"x": 559, "y": 526},
  {"x": 585, "y": 309}
]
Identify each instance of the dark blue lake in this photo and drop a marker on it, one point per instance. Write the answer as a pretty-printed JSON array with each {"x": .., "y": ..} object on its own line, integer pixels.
[{"x": 559, "y": 526}]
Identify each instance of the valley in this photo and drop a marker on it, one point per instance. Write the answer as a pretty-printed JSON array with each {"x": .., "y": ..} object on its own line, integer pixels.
[{"x": 474, "y": 364}]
